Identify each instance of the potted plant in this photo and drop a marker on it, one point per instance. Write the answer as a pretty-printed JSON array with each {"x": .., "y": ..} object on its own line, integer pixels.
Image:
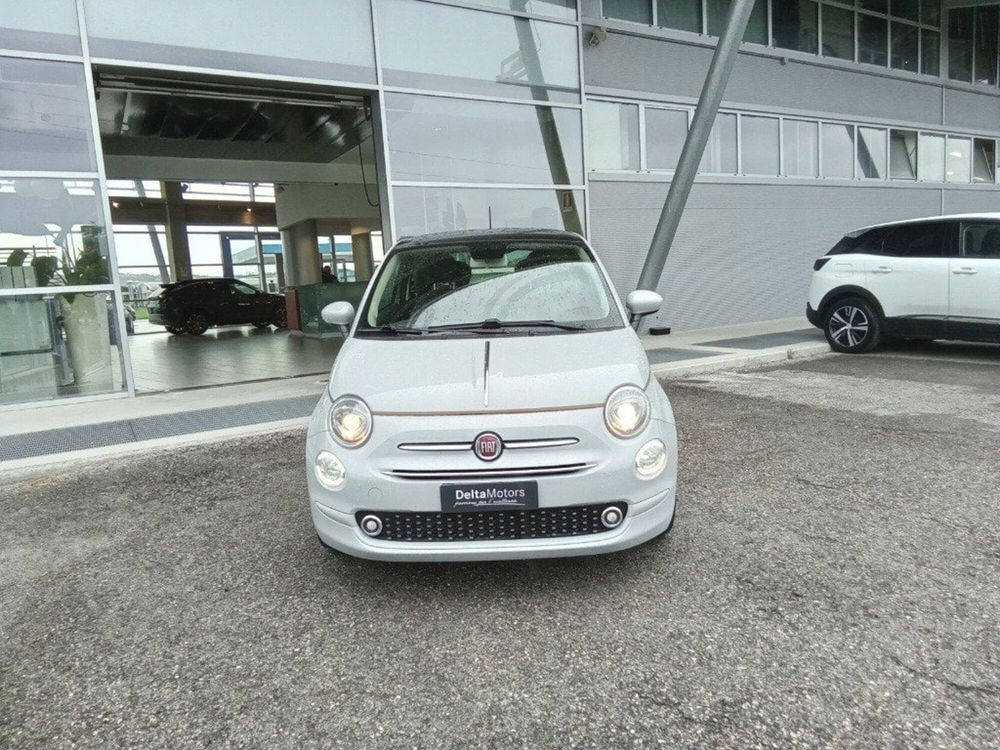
[{"x": 85, "y": 314}]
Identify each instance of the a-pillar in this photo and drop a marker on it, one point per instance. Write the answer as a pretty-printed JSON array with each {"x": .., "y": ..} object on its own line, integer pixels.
[
  {"x": 300, "y": 254},
  {"x": 176, "y": 229},
  {"x": 361, "y": 246}
]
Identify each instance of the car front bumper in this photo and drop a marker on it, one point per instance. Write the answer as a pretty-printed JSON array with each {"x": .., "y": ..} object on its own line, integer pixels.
[
  {"x": 813, "y": 316},
  {"x": 645, "y": 520}
]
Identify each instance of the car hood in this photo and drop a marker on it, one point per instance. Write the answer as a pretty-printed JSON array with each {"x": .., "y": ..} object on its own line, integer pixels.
[{"x": 525, "y": 372}]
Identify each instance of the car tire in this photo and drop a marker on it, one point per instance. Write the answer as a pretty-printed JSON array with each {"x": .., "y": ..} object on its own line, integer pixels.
[
  {"x": 196, "y": 324},
  {"x": 177, "y": 331},
  {"x": 278, "y": 318},
  {"x": 261, "y": 324},
  {"x": 852, "y": 326}
]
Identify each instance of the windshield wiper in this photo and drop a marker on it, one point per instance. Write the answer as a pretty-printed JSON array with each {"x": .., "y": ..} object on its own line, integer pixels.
[
  {"x": 391, "y": 330},
  {"x": 492, "y": 324}
]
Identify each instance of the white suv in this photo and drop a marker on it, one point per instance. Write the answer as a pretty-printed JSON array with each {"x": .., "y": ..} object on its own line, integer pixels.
[{"x": 933, "y": 278}]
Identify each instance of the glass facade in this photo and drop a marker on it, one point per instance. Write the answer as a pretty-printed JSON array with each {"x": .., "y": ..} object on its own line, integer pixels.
[
  {"x": 437, "y": 139},
  {"x": 41, "y": 26},
  {"x": 45, "y": 121},
  {"x": 223, "y": 35},
  {"x": 442, "y": 209},
  {"x": 466, "y": 51}
]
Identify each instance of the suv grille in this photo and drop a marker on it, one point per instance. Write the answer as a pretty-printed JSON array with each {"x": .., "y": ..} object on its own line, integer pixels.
[{"x": 539, "y": 523}]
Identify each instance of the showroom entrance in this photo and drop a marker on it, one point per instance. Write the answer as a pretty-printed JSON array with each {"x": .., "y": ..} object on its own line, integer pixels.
[{"x": 237, "y": 211}]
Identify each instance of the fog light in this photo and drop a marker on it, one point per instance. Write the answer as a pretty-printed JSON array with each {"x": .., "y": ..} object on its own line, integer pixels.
[
  {"x": 329, "y": 471},
  {"x": 650, "y": 459},
  {"x": 611, "y": 517},
  {"x": 371, "y": 525}
]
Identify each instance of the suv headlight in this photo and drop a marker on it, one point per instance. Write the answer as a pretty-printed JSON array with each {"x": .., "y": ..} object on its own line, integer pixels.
[
  {"x": 350, "y": 421},
  {"x": 626, "y": 412}
]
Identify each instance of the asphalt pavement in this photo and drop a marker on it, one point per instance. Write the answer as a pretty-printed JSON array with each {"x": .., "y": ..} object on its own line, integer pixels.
[{"x": 831, "y": 581}]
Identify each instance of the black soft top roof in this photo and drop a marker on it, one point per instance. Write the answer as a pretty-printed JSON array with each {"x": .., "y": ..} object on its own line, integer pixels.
[{"x": 489, "y": 235}]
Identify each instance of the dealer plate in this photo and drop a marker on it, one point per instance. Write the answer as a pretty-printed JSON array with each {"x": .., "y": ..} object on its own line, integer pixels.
[{"x": 464, "y": 498}]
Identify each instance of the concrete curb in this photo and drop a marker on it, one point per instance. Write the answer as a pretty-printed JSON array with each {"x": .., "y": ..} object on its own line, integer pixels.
[
  {"x": 30, "y": 465},
  {"x": 741, "y": 359}
]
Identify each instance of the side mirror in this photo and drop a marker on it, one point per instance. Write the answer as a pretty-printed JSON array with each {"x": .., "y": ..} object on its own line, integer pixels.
[
  {"x": 338, "y": 314},
  {"x": 643, "y": 302}
]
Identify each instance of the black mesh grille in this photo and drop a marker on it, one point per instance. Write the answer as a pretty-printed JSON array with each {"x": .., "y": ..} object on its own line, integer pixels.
[{"x": 571, "y": 520}]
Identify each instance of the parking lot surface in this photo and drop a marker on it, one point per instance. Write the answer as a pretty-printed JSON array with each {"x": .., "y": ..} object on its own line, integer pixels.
[{"x": 831, "y": 580}]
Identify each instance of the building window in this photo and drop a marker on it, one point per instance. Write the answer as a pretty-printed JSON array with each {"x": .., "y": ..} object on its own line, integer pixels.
[
  {"x": 873, "y": 38},
  {"x": 984, "y": 160},
  {"x": 801, "y": 148},
  {"x": 436, "y": 139},
  {"x": 930, "y": 52},
  {"x": 477, "y": 52},
  {"x": 960, "y": 48},
  {"x": 768, "y": 145},
  {"x": 930, "y": 157},
  {"x": 638, "y": 11},
  {"x": 679, "y": 14},
  {"x": 903, "y": 34},
  {"x": 720, "y": 152},
  {"x": 838, "y": 32},
  {"x": 761, "y": 145},
  {"x": 666, "y": 130},
  {"x": 44, "y": 117},
  {"x": 903, "y": 154},
  {"x": 986, "y": 45},
  {"x": 795, "y": 25},
  {"x": 905, "y": 47},
  {"x": 838, "y": 151},
  {"x": 421, "y": 210},
  {"x": 756, "y": 31},
  {"x": 613, "y": 135},
  {"x": 958, "y": 161},
  {"x": 872, "y": 153}
]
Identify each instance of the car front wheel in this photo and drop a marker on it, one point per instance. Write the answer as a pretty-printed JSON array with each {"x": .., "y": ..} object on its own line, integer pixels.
[
  {"x": 196, "y": 324},
  {"x": 852, "y": 326}
]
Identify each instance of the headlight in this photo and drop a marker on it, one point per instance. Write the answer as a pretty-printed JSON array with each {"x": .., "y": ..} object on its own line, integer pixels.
[
  {"x": 350, "y": 421},
  {"x": 626, "y": 412},
  {"x": 650, "y": 459},
  {"x": 330, "y": 471}
]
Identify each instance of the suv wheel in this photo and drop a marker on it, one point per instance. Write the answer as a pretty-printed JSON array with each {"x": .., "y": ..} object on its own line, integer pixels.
[
  {"x": 852, "y": 326},
  {"x": 196, "y": 324},
  {"x": 261, "y": 324}
]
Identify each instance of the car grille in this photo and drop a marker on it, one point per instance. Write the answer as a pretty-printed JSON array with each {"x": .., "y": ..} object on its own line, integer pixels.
[{"x": 538, "y": 523}]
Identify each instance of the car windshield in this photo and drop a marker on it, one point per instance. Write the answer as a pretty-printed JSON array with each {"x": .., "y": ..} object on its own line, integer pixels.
[{"x": 490, "y": 285}]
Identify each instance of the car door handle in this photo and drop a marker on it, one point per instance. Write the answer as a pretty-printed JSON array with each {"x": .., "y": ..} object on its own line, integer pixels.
[
  {"x": 882, "y": 269},
  {"x": 964, "y": 271}
]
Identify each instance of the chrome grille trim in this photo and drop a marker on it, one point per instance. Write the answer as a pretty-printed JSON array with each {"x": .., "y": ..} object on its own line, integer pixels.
[
  {"x": 540, "y": 443},
  {"x": 508, "y": 445},
  {"x": 520, "y": 471},
  {"x": 433, "y": 447}
]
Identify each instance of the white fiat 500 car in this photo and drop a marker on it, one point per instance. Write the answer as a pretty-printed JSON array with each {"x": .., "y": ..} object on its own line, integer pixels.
[{"x": 491, "y": 401}]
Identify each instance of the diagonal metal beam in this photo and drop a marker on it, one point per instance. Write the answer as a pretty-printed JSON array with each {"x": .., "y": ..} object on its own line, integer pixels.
[{"x": 719, "y": 71}]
